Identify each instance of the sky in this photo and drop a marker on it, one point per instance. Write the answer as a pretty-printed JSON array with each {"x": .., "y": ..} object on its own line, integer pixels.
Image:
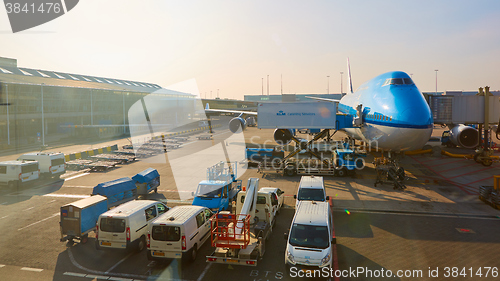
[{"x": 231, "y": 47}]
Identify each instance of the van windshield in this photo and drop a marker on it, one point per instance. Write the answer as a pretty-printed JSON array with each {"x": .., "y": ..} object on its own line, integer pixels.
[
  {"x": 315, "y": 194},
  {"x": 166, "y": 233},
  {"x": 208, "y": 190},
  {"x": 309, "y": 236},
  {"x": 112, "y": 225}
]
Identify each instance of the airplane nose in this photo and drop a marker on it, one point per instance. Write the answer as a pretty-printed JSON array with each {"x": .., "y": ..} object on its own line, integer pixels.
[{"x": 416, "y": 115}]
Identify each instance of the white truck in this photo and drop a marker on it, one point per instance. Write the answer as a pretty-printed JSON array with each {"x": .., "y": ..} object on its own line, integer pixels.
[
  {"x": 52, "y": 164},
  {"x": 268, "y": 204},
  {"x": 18, "y": 173},
  {"x": 239, "y": 238}
]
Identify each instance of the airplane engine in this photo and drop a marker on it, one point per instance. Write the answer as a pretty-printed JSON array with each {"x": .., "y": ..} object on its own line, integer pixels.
[
  {"x": 283, "y": 136},
  {"x": 237, "y": 123},
  {"x": 464, "y": 136}
]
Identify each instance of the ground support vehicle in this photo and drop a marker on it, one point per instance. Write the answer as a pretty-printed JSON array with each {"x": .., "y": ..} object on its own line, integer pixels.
[
  {"x": 268, "y": 204},
  {"x": 18, "y": 173},
  {"x": 390, "y": 172},
  {"x": 147, "y": 181},
  {"x": 343, "y": 161},
  {"x": 179, "y": 233},
  {"x": 491, "y": 194},
  {"x": 126, "y": 226},
  {"x": 257, "y": 155},
  {"x": 79, "y": 218},
  {"x": 236, "y": 238},
  {"x": 52, "y": 164},
  {"x": 117, "y": 191},
  {"x": 219, "y": 189},
  {"x": 445, "y": 139}
]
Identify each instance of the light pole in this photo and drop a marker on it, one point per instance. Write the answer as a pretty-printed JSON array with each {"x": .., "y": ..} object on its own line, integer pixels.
[
  {"x": 262, "y": 86},
  {"x": 328, "y": 85},
  {"x": 43, "y": 120},
  {"x": 217, "y": 93},
  {"x": 436, "y": 80},
  {"x": 341, "y": 91},
  {"x": 268, "y": 84}
]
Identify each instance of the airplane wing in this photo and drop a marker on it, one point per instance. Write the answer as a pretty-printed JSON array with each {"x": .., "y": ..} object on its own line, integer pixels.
[
  {"x": 324, "y": 99},
  {"x": 207, "y": 109}
]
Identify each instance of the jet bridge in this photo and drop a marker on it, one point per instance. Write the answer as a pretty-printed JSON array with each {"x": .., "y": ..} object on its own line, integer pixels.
[{"x": 449, "y": 109}]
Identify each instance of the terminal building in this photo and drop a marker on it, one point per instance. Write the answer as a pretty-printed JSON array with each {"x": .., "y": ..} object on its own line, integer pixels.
[{"x": 70, "y": 106}]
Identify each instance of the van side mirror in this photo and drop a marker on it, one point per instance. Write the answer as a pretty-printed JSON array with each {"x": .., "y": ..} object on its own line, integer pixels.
[
  {"x": 327, "y": 198},
  {"x": 295, "y": 197},
  {"x": 285, "y": 236}
]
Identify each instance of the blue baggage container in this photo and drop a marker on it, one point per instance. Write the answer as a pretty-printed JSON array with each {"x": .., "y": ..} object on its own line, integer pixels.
[
  {"x": 147, "y": 181},
  {"x": 117, "y": 191},
  {"x": 80, "y": 217}
]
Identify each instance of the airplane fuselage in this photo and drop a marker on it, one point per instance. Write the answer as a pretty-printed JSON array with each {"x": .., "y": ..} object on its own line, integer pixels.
[{"x": 395, "y": 114}]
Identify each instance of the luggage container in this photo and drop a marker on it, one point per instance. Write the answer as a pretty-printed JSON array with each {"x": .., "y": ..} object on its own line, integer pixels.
[
  {"x": 79, "y": 218},
  {"x": 147, "y": 181},
  {"x": 118, "y": 191}
]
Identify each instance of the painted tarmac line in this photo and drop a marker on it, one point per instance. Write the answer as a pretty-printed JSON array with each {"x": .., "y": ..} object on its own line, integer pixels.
[
  {"x": 32, "y": 269},
  {"x": 77, "y": 176},
  {"x": 4, "y": 203},
  {"x": 480, "y": 180},
  {"x": 118, "y": 263},
  {"x": 477, "y": 171},
  {"x": 29, "y": 208},
  {"x": 67, "y": 195},
  {"x": 4, "y": 217},
  {"x": 204, "y": 272},
  {"x": 54, "y": 215},
  {"x": 124, "y": 275},
  {"x": 2, "y": 265},
  {"x": 79, "y": 186},
  {"x": 74, "y": 274}
]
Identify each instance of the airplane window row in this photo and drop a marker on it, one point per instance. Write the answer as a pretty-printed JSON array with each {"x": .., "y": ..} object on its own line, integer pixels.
[
  {"x": 398, "y": 81},
  {"x": 379, "y": 117}
]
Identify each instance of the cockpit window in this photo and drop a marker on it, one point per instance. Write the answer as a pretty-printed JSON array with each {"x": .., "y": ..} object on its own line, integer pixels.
[
  {"x": 408, "y": 81},
  {"x": 398, "y": 81}
]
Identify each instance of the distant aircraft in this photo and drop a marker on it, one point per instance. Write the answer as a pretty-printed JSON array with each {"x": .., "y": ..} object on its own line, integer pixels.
[{"x": 392, "y": 112}]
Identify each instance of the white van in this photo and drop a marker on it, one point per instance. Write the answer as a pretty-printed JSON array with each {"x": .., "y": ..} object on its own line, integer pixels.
[
  {"x": 126, "y": 226},
  {"x": 18, "y": 173},
  {"x": 309, "y": 244},
  {"x": 52, "y": 164},
  {"x": 311, "y": 188},
  {"x": 179, "y": 233}
]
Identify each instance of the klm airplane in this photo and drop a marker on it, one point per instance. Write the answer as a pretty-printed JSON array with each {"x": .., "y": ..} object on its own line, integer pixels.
[{"x": 393, "y": 113}]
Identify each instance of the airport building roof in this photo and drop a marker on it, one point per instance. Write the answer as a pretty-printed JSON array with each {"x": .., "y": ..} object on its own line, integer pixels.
[{"x": 11, "y": 73}]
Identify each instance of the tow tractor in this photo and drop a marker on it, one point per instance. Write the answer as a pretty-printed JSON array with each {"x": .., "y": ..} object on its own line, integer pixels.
[{"x": 238, "y": 238}]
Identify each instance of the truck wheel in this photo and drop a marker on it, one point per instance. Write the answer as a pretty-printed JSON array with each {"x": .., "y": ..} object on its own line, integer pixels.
[
  {"x": 342, "y": 172},
  {"x": 193, "y": 253},
  {"x": 150, "y": 257},
  {"x": 85, "y": 239},
  {"x": 141, "y": 244}
]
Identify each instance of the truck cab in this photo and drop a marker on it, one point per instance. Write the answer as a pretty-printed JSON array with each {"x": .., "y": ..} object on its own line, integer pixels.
[
  {"x": 268, "y": 204},
  {"x": 346, "y": 160},
  {"x": 216, "y": 195}
]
